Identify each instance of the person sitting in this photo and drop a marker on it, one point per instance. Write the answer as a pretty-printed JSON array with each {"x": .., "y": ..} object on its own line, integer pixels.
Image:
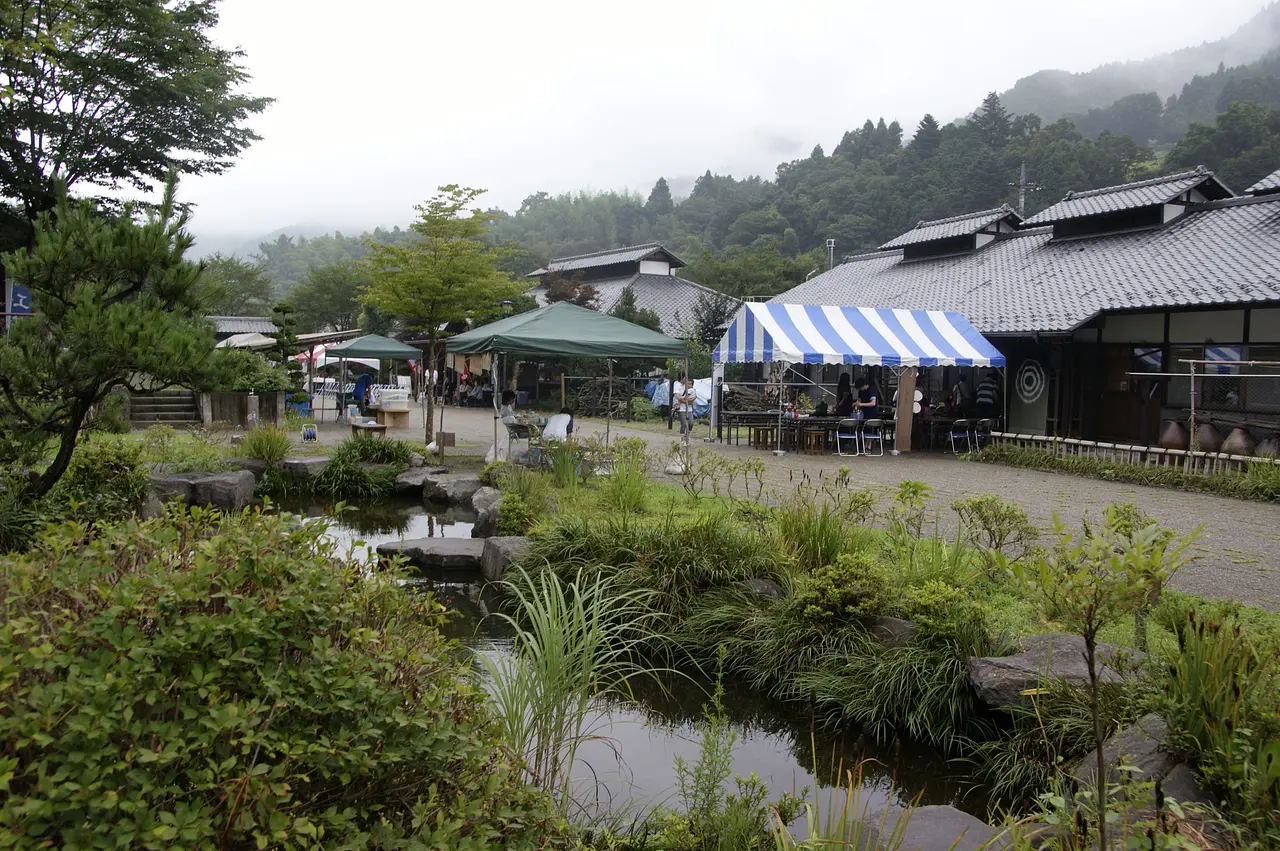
[
  {"x": 474, "y": 395},
  {"x": 507, "y": 412},
  {"x": 560, "y": 426},
  {"x": 820, "y": 409}
]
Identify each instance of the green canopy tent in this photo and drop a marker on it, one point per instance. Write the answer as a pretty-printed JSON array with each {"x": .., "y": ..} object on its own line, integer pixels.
[
  {"x": 565, "y": 329},
  {"x": 374, "y": 346}
]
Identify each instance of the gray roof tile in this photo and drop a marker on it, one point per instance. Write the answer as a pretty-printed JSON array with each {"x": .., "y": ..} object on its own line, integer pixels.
[
  {"x": 1130, "y": 196},
  {"x": 243, "y": 324},
  {"x": 1221, "y": 253},
  {"x": 672, "y": 298},
  {"x": 969, "y": 223},
  {"x": 1270, "y": 183},
  {"x": 610, "y": 257}
]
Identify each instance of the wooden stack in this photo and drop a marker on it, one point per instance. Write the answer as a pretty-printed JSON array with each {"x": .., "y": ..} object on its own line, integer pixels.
[{"x": 592, "y": 399}]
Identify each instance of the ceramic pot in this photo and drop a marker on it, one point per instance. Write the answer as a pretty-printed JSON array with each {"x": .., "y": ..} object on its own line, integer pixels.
[
  {"x": 1269, "y": 448},
  {"x": 1173, "y": 435},
  {"x": 1209, "y": 438},
  {"x": 1239, "y": 442}
]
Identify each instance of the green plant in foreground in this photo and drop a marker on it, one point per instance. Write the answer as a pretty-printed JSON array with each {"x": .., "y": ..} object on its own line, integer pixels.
[
  {"x": 106, "y": 480},
  {"x": 813, "y": 531},
  {"x": 625, "y": 489},
  {"x": 203, "y": 680},
  {"x": 365, "y": 450},
  {"x": 1087, "y": 581},
  {"x": 856, "y": 586},
  {"x": 576, "y": 643},
  {"x": 267, "y": 443},
  {"x": 996, "y": 526},
  {"x": 566, "y": 462}
]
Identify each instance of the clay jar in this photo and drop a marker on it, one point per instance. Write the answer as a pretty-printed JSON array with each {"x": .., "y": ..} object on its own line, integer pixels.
[
  {"x": 1174, "y": 436},
  {"x": 1209, "y": 438},
  {"x": 1239, "y": 442},
  {"x": 1269, "y": 448}
]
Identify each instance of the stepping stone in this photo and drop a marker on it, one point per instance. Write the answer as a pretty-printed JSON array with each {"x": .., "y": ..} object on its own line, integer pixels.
[
  {"x": 1001, "y": 680},
  {"x": 304, "y": 468},
  {"x": 230, "y": 492},
  {"x": 500, "y": 553},
  {"x": 437, "y": 553}
]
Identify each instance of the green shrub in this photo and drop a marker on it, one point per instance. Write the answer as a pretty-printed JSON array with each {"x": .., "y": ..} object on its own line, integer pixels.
[
  {"x": 516, "y": 516},
  {"x": 364, "y": 450},
  {"x": 948, "y": 615},
  {"x": 857, "y": 586},
  {"x": 348, "y": 479},
  {"x": 267, "y": 443},
  {"x": 1260, "y": 480},
  {"x": 204, "y": 681},
  {"x": 20, "y": 515},
  {"x": 243, "y": 370},
  {"x": 1222, "y": 702},
  {"x": 997, "y": 527},
  {"x": 491, "y": 475},
  {"x": 566, "y": 463},
  {"x": 182, "y": 452},
  {"x": 625, "y": 489},
  {"x": 106, "y": 480},
  {"x": 110, "y": 415}
]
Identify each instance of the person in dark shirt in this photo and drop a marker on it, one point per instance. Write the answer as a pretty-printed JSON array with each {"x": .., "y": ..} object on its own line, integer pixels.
[
  {"x": 844, "y": 397},
  {"x": 867, "y": 402},
  {"x": 988, "y": 396}
]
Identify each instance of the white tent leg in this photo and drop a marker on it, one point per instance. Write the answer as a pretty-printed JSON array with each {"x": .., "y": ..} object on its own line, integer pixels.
[
  {"x": 608, "y": 411},
  {"x": 717, "y": 382}
]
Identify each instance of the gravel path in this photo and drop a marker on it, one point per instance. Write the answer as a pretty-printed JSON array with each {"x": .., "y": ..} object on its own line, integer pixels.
[{"x": 1237, "y": 548}]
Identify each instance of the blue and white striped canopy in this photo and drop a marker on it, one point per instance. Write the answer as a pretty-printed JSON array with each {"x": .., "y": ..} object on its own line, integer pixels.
[{"x": 814, "y": 333}]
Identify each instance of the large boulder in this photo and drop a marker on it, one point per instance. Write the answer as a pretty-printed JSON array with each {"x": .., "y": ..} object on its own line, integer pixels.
[
  {"x": 232, "y": 491},
  {"x": 765, "y": 589},
  {"x": 487, "y": 503},
  {"x": 254, "y": 465},
  {"x": 412, "y": 481},
  {"x": 500, "y": 553},
  {"x": 936, "y": 828},
  {"x": 892, "y": 632},
  {"x": 1145, "y": 746},
  {"x": 303, "y": 468},
  {"x": 1000, "y": 681},
  {"x": 452, "y": 488},
  {"x": 451, "y": 554}
]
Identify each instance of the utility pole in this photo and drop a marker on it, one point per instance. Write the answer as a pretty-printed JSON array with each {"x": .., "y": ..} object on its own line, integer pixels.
[{"x": 1023, "y": 186}]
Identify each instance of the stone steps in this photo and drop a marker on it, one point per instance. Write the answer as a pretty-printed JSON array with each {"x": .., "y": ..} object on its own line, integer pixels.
[{"x": 170, "y": 407}]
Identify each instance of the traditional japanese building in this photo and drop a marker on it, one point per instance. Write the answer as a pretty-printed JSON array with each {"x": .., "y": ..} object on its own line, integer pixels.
[
  {"x": 1087, "y": 296},
  {"x": 649, "y": 270}
]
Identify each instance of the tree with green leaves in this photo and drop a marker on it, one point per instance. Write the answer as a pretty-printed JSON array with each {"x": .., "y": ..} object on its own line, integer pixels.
[
  {"x": 329, "y": 296},
  {"x": 992, "y": 122},
  {"x": 659, "y": 203},
  {"x": 927, "y": 139},
  {"x": 112, "y": 93},
  {"x": 234, "y": 287},
  {"x": 447, "y": 275},
  {"x": 116, "y": 302},
  {"x": 626, "y": 309},
  {"x": 558, "y": 286},
  {"x": 284, "y": 317}
]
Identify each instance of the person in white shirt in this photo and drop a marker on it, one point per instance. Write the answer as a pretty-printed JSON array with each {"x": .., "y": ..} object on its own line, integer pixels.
[
  {"x": 683, "y": 398},
  {"x": 560, "y": 426}
]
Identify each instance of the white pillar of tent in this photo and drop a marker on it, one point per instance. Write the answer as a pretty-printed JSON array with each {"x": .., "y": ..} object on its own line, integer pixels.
[
  {"x": 717, "y": 383},
  {"x": 608, "y": 410}
]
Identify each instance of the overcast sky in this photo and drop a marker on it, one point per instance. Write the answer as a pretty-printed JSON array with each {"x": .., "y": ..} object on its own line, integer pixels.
[{"x": 380, "y": 101}]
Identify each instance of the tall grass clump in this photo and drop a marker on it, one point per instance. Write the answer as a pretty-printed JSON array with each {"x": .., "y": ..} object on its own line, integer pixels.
[
  {"x": 814, "y": 533},
  {"x": 566, "y": 462},
  {"x": 267, "y": 443},
  {"x": 624, "y": 491},
  {"x": 366, "y": 450},
  {"x": 577, "y": 643}
]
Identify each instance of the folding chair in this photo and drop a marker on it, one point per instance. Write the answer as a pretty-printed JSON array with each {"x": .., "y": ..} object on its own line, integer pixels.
[
  {"x": 981, "y": 433},
  {"x": 960, "y": 431},
  {"x": 848, "y": 430},
  {"x": 872, "y": 432}
]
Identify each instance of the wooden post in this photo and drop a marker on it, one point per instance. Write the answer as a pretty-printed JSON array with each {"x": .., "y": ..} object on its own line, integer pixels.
[{"x": 905, "y": 414}]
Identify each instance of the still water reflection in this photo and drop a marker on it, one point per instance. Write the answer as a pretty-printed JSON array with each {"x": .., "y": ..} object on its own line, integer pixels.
[{"x": 634, "y": 763}]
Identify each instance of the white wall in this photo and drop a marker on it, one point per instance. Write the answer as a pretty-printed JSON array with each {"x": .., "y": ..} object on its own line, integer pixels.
[{"x": 655, "y": 267}]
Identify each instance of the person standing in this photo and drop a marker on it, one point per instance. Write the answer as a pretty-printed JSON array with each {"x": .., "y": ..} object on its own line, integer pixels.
[
  {"x": 866, "y": 403},
  {"x": 684, "y": 397},
  {"x": 988, "y": 396},
  {"x": 844, "y": 396},
  {"x": 962, "y": 396}
]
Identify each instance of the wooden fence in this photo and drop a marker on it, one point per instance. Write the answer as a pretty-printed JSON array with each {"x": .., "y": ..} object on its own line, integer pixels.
[{"x": 1150, "y": 456}]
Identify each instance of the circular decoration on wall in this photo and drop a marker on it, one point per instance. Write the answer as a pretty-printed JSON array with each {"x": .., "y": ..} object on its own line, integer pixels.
[{"x": 1030, "y": 381}]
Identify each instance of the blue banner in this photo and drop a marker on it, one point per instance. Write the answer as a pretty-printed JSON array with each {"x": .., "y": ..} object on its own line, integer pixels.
[{"x": 19, "y": 299}]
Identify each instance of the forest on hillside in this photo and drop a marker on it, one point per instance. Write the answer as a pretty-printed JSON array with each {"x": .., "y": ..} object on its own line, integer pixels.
[{"x": 755, "y": 236}]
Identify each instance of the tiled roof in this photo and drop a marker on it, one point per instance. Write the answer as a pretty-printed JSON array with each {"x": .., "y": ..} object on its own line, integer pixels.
[
  {"x": 969, "y": 223},
  {"x": 1270, "y": 183},
  {"x": 1221, "y": 253},
  {"x": 610, "y": 257},
  {"x": 672, "y": 298},
  {"x": 1130, "y": 196},
  {"x": 243, "y": 324}
]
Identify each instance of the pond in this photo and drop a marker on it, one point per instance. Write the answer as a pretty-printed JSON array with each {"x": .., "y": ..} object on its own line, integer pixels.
[{"x": 634, "y": 762}]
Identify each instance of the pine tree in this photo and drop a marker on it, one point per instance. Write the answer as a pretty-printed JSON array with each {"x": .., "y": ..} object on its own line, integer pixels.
[
  {"x": 626, "y": 309},
  {"x": 660, "y": 203},
  {"x": 992, "y": 122},
  {"x": 115, "y": 299},
  {"x": 928, "y": 137}
]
